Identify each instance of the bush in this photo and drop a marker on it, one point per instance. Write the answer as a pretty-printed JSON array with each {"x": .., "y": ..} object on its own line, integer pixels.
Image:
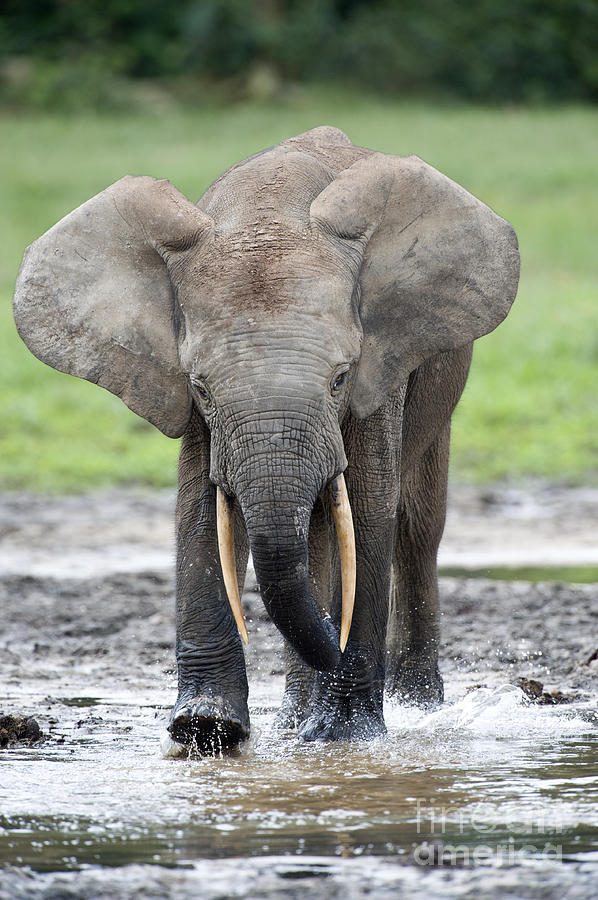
[{"x": 500, "y": 50}]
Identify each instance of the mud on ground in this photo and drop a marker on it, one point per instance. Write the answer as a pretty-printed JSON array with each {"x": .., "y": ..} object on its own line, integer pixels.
[{"x": 87, "y": 599}]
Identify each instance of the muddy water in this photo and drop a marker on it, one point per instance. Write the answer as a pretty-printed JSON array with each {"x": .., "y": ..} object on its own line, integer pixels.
[
  {"x": 489, "y": 783},
  {"x": 489, "y": 796}
]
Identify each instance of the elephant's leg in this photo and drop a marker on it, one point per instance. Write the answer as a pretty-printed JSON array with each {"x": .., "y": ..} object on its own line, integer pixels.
[
  {"x": 347, "y": 703},
  {"x": 299, "y": 677},
  {"x": 432, "y": 394},
  {"x": 211, "y": 709},
  {"x": 299, "y": 681},
  {"x": 412, "y": 661}
]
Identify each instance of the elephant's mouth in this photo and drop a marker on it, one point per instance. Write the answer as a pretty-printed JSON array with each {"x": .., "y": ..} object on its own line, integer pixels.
[{"x": 343, "y": 519}]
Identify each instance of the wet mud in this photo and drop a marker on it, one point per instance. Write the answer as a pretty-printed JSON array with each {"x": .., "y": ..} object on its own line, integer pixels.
[
  {"x": 534, "y": 690},
  {"x": 18, "y": 731},
  {"x": 65, "y": 642},
  {"x": 86, "y": 652}
]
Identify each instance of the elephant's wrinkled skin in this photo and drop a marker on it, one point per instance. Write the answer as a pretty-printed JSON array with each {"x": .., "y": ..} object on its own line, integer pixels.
[{"x": 312, "y": 315}]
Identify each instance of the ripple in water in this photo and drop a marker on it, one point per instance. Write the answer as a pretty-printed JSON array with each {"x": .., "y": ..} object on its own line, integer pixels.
[{"x": 487, "y": 784}]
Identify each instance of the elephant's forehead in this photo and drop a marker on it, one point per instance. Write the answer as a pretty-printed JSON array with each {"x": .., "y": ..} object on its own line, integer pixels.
[
  {"x": 266, "y": 273},
  {"x": 255, "y": 294},
  {"x": 251, "y": 339}
]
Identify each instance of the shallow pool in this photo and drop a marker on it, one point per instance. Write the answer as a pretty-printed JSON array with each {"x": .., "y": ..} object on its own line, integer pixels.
[{"x": 450, "y": 800}]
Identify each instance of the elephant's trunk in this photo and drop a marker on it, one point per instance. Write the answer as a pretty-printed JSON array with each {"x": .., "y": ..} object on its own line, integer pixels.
[
  {"x": 276, "y": 460},
  {"x": 278, "y": 536},
  {"x": 343, "y": 518},
  {"x": 282, "y": 570}
]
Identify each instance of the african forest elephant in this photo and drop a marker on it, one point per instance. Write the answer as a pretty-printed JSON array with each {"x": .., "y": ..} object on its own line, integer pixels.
[{"x": 312, "y": 315}]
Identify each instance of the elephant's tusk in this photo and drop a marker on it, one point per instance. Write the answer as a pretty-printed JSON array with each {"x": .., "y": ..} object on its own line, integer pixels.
[
  {"x": 343, "y": 519},
  {"x": 226, "y": 548}
]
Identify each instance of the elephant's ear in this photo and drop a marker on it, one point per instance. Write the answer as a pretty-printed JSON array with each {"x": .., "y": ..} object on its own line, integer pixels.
[
  {"x": 439, "y": 268},
  {"x": 94, "y": 299}
]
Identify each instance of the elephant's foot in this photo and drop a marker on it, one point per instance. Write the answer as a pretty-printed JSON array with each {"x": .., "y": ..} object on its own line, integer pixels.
[
  {"x": 297, "y": 692},
  {"x": 415, "y": 684},
  {"x": 293, "y": 710},
  {"x": 346, "y": 705},
  {"x": 209, "y": 725},
  {"x": 344, "y": 719}
]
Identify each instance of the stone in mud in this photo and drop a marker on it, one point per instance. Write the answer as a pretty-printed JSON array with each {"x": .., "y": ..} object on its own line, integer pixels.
[
  {"x": 19, "y": 730},
  {"x": 535, "y": 691}
]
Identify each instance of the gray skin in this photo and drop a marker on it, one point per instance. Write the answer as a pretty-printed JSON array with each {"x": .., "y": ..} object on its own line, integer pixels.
[{"x": 313, "y": 314}]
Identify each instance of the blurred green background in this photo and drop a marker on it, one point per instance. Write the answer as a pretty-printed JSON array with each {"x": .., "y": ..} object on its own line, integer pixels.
[{"x": 496, "y": 95}]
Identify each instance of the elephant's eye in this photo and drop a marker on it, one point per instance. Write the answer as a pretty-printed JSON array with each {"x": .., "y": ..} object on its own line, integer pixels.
[
  {"x": 201, "y": 390},
  {"x": 339, "y": 380}
]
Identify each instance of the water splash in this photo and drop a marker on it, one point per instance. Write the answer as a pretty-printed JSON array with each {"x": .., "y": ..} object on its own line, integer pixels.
[{"x": 501, "y": 712}]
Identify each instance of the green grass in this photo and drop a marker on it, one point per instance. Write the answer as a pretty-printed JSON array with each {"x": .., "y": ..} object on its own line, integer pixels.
[{"x": 531, "y": 404}]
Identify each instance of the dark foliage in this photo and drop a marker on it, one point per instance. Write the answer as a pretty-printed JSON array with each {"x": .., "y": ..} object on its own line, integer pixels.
[{"x": 498, "y": 50}]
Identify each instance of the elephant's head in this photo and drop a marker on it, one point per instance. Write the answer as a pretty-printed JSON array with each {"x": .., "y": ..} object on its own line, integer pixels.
[{"x": 309, "y": 280}]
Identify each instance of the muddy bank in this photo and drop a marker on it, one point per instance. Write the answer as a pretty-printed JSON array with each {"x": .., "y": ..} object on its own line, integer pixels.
[
  {"x": 86, "y": 637},
  {"x": 132, "y": 531},
  {"x": 86, "y": 589}
]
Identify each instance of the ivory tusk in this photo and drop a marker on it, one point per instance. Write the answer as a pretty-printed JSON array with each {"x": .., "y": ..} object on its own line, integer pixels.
[
  {"x": 226, "y": 547},
  {"x": 343, "y": 519}
]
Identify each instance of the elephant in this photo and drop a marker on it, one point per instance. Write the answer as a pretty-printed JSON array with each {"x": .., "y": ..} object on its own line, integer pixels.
[{"x": 306, "y": 328}]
